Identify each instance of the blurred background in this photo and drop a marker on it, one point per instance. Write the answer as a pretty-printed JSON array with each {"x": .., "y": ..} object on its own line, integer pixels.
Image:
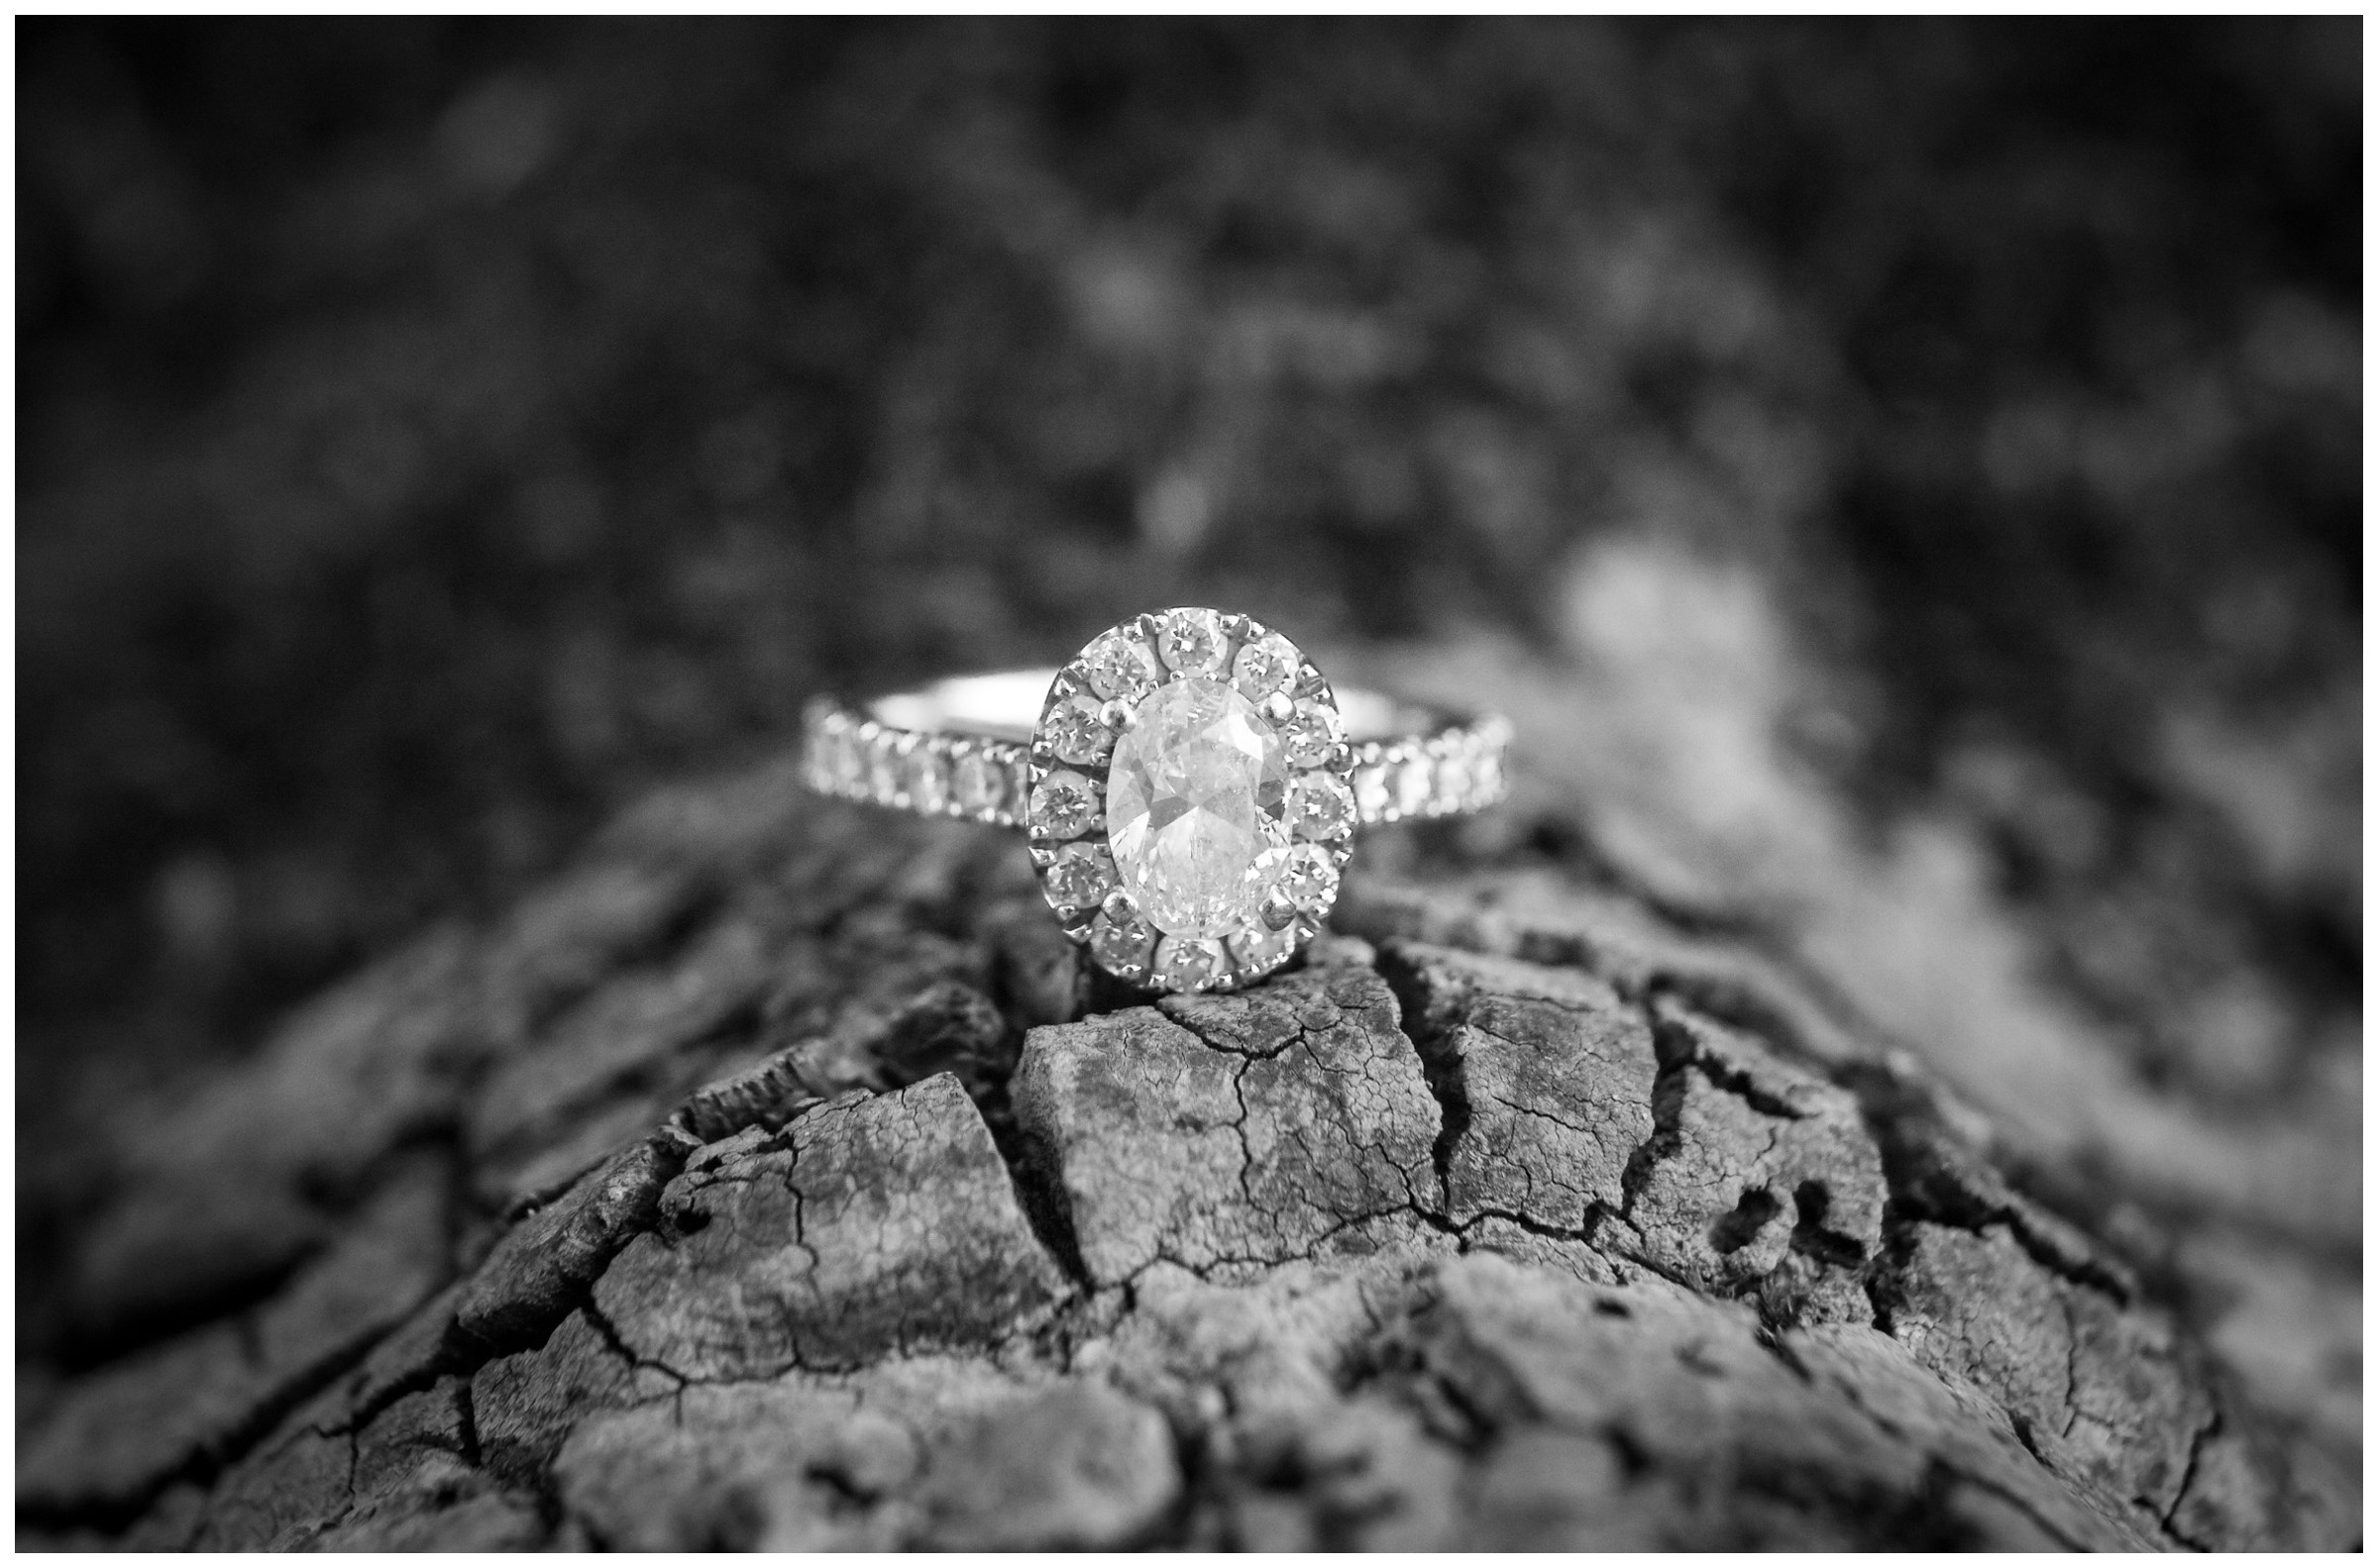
[{"x": 1904, "y": 477}]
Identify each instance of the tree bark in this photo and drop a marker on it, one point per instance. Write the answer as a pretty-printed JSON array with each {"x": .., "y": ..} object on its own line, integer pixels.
[{"x": 779, "y": 1178}]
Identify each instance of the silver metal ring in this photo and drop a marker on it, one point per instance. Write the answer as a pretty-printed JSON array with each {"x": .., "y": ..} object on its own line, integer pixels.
[{"x": 1190, "y": 784}]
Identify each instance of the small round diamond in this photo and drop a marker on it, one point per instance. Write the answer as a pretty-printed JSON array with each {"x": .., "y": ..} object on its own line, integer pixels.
[
  {"x": 1081, "y": 876},
  {"x": 1412, "y": 778},
  {"x": 1310, "y": 877},
  {"x": 924, "y": 775},
  {"x": 1320, "y": 806},
  {"x": 883, "y": 766},
  {"x": 1075, "y": 731},
  {"x": 1311, "y": 733},
  {"x": 1372, "y": 791},
  {"x": 1452, "y": 782},
  {"x": 1259, "y": 951},
  {"x": 838, "y": 761},
  {"x": 1263, "y": 667},
  {"x": 1192, "y": 642},
  {"x": 1118, "y": 667},
  {"x": 980, "y": 785},
  {"x": 1120, "y": 947},
  {"x": 852, "y": 765},
  {"x": 1486, "y": 780},
  {"x": 1188, "y": 963},
  {"x": 1063, "y": 804}
]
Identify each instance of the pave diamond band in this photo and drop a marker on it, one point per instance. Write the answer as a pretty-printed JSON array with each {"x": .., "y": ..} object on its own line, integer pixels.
[
  {"x": 1189, "y": 785},
  {"x": 964, "y": 773},
  {"x": 1453, "y": 766}
]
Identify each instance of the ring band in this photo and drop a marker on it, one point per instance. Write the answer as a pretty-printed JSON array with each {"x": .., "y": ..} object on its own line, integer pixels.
[
  {"x": 1237, "y": 775},
  {"x": 962, "y": 748}
]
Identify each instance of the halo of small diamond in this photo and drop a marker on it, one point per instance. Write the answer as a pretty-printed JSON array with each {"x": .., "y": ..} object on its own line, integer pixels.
[{"x": 1094, "y": 700}]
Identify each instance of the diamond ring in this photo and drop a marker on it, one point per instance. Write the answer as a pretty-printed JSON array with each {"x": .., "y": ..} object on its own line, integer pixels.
[{"x": 1190, "y": 784}]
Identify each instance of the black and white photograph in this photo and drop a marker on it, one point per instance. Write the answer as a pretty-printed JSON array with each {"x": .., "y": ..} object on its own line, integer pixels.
[{"x": 1201, "y": 783}]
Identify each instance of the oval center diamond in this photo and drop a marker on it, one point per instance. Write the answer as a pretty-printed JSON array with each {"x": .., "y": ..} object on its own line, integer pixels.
[{"x": 1193, "y": 802}]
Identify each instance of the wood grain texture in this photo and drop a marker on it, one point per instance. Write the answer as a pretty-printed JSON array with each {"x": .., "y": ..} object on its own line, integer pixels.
[{"x": 776, "y": 1179}]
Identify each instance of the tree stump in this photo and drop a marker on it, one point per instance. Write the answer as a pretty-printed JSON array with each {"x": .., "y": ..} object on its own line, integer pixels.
[{"x": 778, "y": 1178}]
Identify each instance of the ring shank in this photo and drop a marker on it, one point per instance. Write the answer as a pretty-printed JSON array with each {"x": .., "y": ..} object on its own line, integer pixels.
[{"x": 961, "y": 748}]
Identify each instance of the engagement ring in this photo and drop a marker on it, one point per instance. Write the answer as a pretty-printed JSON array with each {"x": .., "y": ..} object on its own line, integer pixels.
[{"x": 1190, "y": 785}]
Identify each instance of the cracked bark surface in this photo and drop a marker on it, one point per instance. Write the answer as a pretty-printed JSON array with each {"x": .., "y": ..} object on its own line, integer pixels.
[{"x": 775, "y": 1178}]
